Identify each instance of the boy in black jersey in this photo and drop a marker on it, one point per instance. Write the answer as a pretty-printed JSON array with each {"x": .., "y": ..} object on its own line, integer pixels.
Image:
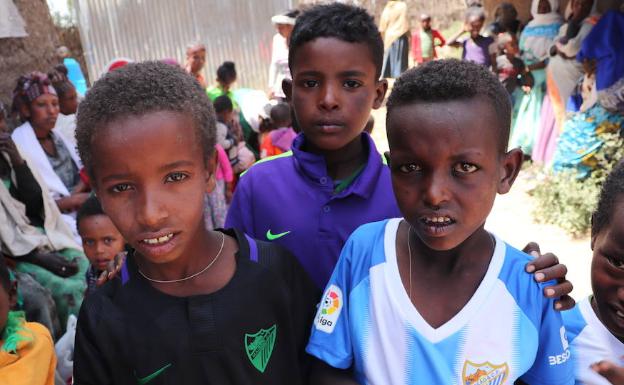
[{"x": 193, "y": 306}]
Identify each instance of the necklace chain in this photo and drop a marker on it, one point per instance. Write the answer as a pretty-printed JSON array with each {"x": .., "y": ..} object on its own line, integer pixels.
[{"x": 192, "y": 275}]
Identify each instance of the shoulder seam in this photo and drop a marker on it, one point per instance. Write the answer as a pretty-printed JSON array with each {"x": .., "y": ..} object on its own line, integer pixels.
[{"x": 270, "y": 158}]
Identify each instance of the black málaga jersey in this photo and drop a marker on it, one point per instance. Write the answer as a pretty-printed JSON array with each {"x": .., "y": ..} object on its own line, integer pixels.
[{"x": 252, "y": 331}]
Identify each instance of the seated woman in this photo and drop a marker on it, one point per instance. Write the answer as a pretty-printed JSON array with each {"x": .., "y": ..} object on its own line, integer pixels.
[
  {"x": 32, "y": 233},
  {"x": 51, "y": 153}
]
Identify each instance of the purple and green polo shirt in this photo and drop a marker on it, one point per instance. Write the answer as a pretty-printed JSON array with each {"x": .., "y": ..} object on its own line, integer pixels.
[{"x": 290, "y": 199}]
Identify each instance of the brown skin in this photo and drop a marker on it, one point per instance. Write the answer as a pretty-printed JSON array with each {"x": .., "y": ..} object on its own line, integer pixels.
[
  {"x": 613, "y": 373},
  {"x": 69, "y": 102},
  {"x": 581, "y": 9},
  {"x": 425, "y": 24},
  {"x": 447, "y": 166},
  {"x": 157, "y": 189},
  {"x": 8, "y": 300},
  {"x": 333, "y": 90},
  {"x": 101, "y": 240},
  {"x": 52, "y": 262},
  {"x": 285, "y": 30},
  {"x": 196, "y": 57}
]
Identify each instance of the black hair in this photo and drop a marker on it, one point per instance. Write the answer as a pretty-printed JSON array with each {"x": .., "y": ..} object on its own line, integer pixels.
[
  {"x": 90, "y": 208},
  {"x": 280, "y": 114},
  {"x": 223, "y": 103},
  {"x": 452, "y": 79},
  {"x": 137, "y": 89},
  {"x": 5, "y": 276},
  {"x": 610, "y": 194},
  {"x": 60, "y": 82},
  {"x": 341, "y": 21},
  {"x": 294, "y": 13},
  {"x": 226, "y": 72}
]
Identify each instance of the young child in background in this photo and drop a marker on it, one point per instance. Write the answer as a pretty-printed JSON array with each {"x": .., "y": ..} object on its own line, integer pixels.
[
  {"x": 509, "y": 65},
  {"x": 596, "y": 325},
  {"x": 198, "y": 306},
  {"x": 412, "y": 300},
  {"x": 26, "y": 348},
  {"x": 333, "y": 180},
  {"x": 218, "y": 199},
  {"x": 476, "y": 48},
  {"x": 67, "y": 100},
  {"x": 226, "y": 76},
  {"x": 195, "y": 61},
  {"x": 280, "y": 138},
  {"x": 101, "y": 241},
  {"x": 424, "y": 41},
  {"x": 227, "y": 137}
]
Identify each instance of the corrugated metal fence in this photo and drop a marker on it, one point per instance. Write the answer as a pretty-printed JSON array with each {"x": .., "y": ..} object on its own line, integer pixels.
[{"x": 237, "y": 30}]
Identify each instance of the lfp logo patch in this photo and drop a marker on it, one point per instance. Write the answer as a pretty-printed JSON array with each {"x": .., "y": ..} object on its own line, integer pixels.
[{"x": 330, "y": 309}]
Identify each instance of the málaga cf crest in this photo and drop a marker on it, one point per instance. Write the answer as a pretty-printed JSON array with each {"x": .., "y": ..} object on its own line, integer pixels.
[
  {"x": 259, "y": 347},
  {"x": 484, "y": 374}
]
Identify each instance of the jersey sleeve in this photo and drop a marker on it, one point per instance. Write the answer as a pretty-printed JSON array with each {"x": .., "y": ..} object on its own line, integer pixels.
[
  {"x": 240, "y": 212},
  {"x": 553, "y": 363},
  {"x": 330, "y": 340}
]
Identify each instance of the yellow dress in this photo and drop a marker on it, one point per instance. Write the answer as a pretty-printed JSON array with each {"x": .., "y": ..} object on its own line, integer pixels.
[{"x": 34, "y": 362}]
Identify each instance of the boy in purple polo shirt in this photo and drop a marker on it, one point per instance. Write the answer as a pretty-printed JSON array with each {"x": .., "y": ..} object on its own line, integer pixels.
[{"x": 312, "y": 198}]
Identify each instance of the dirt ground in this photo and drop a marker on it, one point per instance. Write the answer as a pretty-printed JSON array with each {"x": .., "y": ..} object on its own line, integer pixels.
[{"x": 511, "y": 220}]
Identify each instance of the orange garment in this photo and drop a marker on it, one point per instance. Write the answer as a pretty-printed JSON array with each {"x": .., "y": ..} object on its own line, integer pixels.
[
  {"x": 34, "y": 362},
  {"x": 267, "y": 148}
]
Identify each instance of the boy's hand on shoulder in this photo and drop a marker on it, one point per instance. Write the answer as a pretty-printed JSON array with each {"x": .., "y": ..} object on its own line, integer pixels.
[
  {"x": 610, "y": 371},
  {"x": 546, "y": 267}
]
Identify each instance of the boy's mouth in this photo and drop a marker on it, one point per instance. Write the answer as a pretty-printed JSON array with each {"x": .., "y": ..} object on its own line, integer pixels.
[
  {"x": 158, "y": 240},
  {"x": 437, "y": 221},
  {"x": 329, "y": 127}
]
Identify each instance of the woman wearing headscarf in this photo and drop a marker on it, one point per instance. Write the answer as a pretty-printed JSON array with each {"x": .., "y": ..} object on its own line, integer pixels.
[
  {"x": 394, "y": 28},
  {"x": 535, "y": 42},
  {"x": 564, "y": 71},
  {"x": 603, "y": 98},
  {"x": 52, "y": 154},
  {"x": 279, "y": 70}
]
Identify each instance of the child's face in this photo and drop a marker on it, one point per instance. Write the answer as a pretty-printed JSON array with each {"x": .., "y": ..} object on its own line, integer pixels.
[
  {"x": 43, "y": 112},
  {"x": 475, "y": 24},
  {"x": 543, "y": 7},
  {"x": 69, "y": 103},
  {"x": 151, "y": 178},
  {"x": 607, "y": 273},
  {"x": 8, "y": 299},
  {"x": 101, "y": 240},
  {"x": 511, "y": 48},
  {"x": 447, "y": 168},
  {"x": 225, "y": 116},
  {"x": 333, "y": 89},
  {"x": 425, "y": 24},
  {"x": 196, "y": 57}
]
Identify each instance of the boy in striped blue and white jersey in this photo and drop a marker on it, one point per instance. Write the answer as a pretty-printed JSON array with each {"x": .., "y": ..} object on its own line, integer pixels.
[{"x": 433, "y": 298}]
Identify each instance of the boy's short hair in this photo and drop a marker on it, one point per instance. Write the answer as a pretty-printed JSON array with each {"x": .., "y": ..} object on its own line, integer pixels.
[
  {"x": 90, "y": 208},
  {"x": 612, "y": 191},
  {"x": 138, "y": 89},
  {"x": 453, "y": 79},
  {"x": 59, "y": 80},
  {"x": 223, "y": 103},
  {"x": 227, "y": 72},
  {"x": 341, "y": 21},
  {"x": 280, "y": 113}
]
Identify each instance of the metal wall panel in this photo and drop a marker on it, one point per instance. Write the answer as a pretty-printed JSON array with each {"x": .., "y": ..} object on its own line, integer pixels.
[{"x": 237, "y": 30}]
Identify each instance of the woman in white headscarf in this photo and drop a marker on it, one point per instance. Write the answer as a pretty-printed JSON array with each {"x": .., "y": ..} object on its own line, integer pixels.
[
  {"x": 394, "y": 28},
  {"x": 278, "y": 71},
  {"x": 535, "y": 42}
]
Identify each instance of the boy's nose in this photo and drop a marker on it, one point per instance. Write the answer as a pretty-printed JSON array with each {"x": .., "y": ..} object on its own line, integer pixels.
[
  {"x": 329, "y": 98},
  {"x": 150, "y": 211},
  {"x": 436, "y": 190}
]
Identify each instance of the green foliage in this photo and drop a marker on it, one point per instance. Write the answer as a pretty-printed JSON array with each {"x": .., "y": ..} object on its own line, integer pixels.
[{"x": 567, "y": 201}]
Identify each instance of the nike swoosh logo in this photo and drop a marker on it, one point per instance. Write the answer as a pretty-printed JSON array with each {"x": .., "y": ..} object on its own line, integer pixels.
[
  {"x": 146, "y": 379},
  {"x": 272, "y": 237}
]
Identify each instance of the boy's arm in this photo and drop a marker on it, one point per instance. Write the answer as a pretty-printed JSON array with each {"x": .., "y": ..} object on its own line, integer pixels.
[
  {"x": 89, "y": 363},
  {"x": 323, "y": 374},
  {"x": 453, "y": 41},
  {"x": 438, "y": 35}
]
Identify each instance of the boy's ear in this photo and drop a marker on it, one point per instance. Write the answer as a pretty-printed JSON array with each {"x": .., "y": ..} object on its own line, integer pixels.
[
  {"x": 380, "y": 93},
  {"x": 287, "y": 88},
  {"x": 510, "y": 167}
]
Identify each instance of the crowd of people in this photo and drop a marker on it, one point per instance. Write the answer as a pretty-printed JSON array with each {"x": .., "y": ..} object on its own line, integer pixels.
[{"x": 153, "y": 229}]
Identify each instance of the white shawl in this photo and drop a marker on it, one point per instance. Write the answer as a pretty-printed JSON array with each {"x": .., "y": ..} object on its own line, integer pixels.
[
  {"x": 26, "y": 141},
  {"x": 18, "y": 237}
]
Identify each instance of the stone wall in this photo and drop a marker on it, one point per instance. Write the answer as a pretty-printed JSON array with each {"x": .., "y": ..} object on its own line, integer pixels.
[{"x": 34, "y": 52}]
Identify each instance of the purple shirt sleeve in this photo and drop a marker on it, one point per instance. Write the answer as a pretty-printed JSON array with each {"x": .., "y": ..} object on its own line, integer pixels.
[{"x": 239, "y": 214}]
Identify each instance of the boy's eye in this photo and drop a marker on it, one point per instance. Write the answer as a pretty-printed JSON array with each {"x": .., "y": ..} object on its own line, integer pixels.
[
  {"x": 108, "y": 241},
  {"x": 310, "y": 83},
  {"x": 176, "y": 177},
  {"x": 88, "y": 242},
  {"x": 352, "y": 84},
  {"x": 465, "y": 168},
  {"x": 121, "y": 187},
  {"x": 408, "y": 168},
  {"x": 617, "y": 263}
]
